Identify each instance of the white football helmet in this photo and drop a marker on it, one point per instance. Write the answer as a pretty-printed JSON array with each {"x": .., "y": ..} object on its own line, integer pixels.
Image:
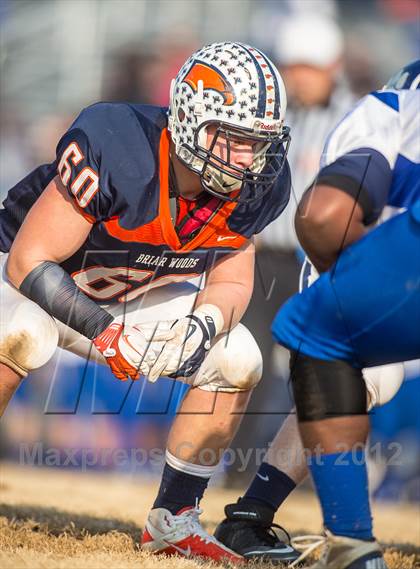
[{"x": 238, "y": 90}]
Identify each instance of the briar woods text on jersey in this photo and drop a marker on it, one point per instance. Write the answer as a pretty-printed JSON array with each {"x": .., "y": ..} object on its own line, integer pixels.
[{"x": 162, "y": 260}]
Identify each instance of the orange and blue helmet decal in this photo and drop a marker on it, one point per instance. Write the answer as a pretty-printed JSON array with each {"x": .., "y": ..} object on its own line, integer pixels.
[{"x": 212, "y": 79}]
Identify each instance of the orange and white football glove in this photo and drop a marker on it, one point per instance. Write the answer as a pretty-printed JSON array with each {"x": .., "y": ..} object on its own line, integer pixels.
[{"x": 128, "y": 350}]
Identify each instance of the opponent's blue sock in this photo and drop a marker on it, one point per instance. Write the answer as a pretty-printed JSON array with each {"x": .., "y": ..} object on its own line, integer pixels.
[
  {"x": 179, "y": 490},
  {"x": 270, "y": 486},
  {"x": 342, "y": 485}
]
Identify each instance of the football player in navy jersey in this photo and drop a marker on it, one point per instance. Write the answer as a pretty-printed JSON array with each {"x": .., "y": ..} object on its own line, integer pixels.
[
  {"x": 362, "y": 313},
  {"x": 134, "y": 248}
]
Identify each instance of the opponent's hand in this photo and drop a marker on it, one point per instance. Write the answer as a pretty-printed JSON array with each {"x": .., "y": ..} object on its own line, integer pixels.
[
  {"x": 127, "y": 350},
  {"x": 187, "y": 343}
]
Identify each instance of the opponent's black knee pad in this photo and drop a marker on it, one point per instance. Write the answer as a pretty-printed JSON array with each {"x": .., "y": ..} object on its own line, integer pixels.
[{"x": 325, "y": 389}]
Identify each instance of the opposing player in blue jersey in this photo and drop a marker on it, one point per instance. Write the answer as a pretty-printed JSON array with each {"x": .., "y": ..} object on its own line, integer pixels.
[
  {"x": 101, "y": 249},
  {"x": 369, "y": 171},
  {"x": 363, "y": 312}
]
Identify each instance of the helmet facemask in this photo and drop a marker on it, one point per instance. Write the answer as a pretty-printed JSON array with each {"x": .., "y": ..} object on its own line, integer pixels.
[{"x": 223, "y": 179}]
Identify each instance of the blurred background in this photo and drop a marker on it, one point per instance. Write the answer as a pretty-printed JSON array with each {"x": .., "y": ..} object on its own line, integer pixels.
[{"x": 57, "y": 57}]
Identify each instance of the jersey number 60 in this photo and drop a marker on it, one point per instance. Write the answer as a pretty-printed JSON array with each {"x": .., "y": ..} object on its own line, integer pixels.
[{"x": 86, "y": 183}]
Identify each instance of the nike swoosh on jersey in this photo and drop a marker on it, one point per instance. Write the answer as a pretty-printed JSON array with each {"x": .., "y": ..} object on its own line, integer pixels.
[{"x": 221, "y": 238}]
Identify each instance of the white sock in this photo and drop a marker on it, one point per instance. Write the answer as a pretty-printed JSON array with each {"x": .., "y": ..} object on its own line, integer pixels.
[{"x": 189, "y": 467}]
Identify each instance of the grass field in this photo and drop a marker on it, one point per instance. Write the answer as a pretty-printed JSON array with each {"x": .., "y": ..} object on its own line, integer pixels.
[{"x": 53, "y": 519}]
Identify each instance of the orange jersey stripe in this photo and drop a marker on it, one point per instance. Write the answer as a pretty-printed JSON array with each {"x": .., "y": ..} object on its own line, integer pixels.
[
  {"x": 149, "y": 233},
  {"x": 161, "y": 231},
  {"x": 156, "y": 232}
]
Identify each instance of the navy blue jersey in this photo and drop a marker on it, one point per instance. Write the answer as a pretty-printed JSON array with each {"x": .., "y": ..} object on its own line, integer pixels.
[{"x": 114, "y": 162}]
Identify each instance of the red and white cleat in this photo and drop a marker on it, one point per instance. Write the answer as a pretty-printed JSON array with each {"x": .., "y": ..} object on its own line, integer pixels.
[{"x": 182, "y": 534}]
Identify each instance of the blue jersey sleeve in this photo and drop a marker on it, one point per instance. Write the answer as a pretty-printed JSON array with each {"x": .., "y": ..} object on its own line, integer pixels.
[
  {"x": 79, "y": 169},
  {"x": 93, "y": 159}
]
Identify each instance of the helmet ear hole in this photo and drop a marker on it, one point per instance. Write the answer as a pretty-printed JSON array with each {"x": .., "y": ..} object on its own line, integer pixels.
[{"x": 181, "y": 114}]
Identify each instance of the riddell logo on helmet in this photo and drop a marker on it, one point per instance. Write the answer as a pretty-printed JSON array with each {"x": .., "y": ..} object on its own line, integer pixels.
[
  {"x": 262, "y": 126},
  {"x": 212, "y": 79}
]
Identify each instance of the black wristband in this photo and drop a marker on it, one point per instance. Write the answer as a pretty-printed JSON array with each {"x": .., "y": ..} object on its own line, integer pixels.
[{"x": 56, "y": 292}]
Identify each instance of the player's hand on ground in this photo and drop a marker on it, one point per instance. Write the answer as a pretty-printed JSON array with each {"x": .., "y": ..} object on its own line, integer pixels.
[
  {"x": 186, "y": 343},
  {"x": 128, "y": 350}
]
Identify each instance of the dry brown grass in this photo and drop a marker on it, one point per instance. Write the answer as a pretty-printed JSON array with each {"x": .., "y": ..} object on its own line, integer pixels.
[{"x": 53, "y": 519}]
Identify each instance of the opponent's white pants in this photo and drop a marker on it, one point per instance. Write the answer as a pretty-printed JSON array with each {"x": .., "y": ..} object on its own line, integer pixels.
[{"x": 29, "y": 336}]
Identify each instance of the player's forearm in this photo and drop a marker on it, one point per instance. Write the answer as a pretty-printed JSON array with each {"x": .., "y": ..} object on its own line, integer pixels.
[
  {"x": 49, "y": 286},
  {"x": 231, "y": 299},
  {"x": 52, "y": 231},
  {"x": 229, "y": 285}
]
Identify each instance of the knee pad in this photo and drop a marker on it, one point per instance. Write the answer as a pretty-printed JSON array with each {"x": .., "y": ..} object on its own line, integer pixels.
[
  {"x": 383, "y": 382},
  {"x": 234, "y": 363},
  {"x": 326, "y": 389},
  {"x": 28, "y": 338}
]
